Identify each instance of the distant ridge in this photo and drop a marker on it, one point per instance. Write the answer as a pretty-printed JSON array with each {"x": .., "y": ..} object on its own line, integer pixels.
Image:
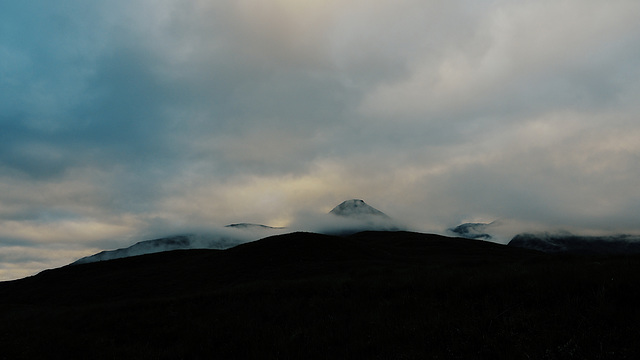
[
  {"x": 355, "y": 215},
  {"x": 252, "y": 226},
  {"x": 241, "y": 233},
  {"x": 178, "y": 242},
  {"x": 473, "y": 230},
  {"x": 575, "y": 244}
]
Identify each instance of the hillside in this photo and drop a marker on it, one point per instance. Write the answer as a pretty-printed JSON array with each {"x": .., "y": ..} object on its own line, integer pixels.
[
  {"x": 303, "y": 295},
  {"x": 574, "y": 244}
]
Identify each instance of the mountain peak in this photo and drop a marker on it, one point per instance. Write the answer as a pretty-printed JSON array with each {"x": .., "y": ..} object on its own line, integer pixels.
[{"x": 357, "y": 208}]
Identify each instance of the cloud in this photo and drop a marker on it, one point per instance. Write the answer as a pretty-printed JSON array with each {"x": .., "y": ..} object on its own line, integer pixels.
[
  {"x": 123, "y": 119},
  {"x": 508, "y": 63}
]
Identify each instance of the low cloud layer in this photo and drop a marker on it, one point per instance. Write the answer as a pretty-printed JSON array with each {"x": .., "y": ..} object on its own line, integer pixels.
[{"x": 123, "y": 120}]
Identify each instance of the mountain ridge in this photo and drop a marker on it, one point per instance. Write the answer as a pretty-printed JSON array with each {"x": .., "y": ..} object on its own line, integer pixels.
[
  {"x": 320, "y": 252},
  {"x": 355, "y": 213},
  {"x": 577, "y": 244},
  {"x": 373, "y": 294}
]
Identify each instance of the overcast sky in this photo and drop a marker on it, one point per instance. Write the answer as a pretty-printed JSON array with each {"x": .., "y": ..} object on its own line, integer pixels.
[{"x": 121, "y": 120}]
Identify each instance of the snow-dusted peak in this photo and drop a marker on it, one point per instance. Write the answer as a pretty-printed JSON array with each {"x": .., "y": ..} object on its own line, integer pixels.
[{"x": 356, "y": 208}]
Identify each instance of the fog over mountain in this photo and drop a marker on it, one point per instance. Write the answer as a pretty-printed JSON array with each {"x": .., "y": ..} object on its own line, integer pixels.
[
  {"x": 355, "y": 215},
  {"x": 191, "y": 241},
  {"x": 230, "y": 236},
  {"x": 349, "y": 217},
  {"x": 473, "y": 230}
]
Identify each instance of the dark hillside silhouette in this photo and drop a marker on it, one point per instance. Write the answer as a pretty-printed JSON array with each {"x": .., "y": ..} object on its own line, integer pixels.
[{"x": 575, "y": 244}]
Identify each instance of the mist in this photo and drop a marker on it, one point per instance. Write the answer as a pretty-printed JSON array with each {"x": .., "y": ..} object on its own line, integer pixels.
[
  {"x": 219, "y": 239},
  {"x": 349, "y": 217},
  {"x": 337, "y": 225}
]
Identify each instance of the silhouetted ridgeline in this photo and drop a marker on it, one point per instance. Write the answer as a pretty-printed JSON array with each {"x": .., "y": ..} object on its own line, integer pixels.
[
  {"x": 567, "y": 243},
  {"x": 377, "y": 295}
]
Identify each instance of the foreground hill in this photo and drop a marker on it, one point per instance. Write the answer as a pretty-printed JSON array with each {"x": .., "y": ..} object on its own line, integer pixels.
[{"x": 302, "y": 295}]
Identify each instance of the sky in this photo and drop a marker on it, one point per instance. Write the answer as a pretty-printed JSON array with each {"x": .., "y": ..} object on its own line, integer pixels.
[{"x": 124, "y": 120}]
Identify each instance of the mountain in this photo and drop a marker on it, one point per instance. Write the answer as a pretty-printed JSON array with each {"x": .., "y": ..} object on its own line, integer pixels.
[
  {"x": 382, "y": 295},
  {"x": 355, "y": 215},
  {"x": 357, "y": 208},
  {"x": 165, "y": 244},
  {"x": 239, "y": 234},
  {"x": 575, "y": 244},
  {"x": 351, "y": 216},
  {"x": 473, "y": 230}
]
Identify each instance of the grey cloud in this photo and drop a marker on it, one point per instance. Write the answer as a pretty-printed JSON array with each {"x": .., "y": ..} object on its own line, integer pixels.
[
  {"x": 529, "y": 186},
  {"x": 520, "y": 69}
]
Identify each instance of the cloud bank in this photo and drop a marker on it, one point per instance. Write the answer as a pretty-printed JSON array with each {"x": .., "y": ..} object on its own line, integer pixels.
[{"x": 123, "y": 120}]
